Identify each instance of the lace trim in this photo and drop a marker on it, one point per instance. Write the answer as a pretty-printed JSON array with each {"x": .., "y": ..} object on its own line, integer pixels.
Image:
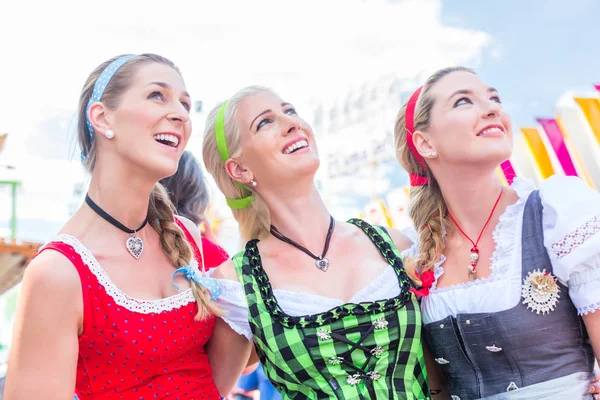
[
  {"x": 252, "y": 266},
  {"x": 588, "y": 309},
  {"x": 120, "y": 298},
  {"x": 241, "y": 329},
  {"x": 576, "y": 238},
  {"x": 504, "y": 237}
]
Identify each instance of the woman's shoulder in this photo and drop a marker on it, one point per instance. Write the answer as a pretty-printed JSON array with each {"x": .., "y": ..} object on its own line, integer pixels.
[{"x": 51, "y": 272}]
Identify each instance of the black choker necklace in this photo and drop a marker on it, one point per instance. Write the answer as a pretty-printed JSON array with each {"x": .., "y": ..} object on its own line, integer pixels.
[
  {"x": 134, "y": 244},
  {"x": 321, "y": 262}
]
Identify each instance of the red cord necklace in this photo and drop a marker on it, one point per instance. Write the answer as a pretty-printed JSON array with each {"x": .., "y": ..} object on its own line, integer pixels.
[{"x": 475, "y": 249}]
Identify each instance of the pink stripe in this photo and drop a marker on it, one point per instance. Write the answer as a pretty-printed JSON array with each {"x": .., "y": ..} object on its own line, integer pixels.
[
  {"x": 557, "y": 142},
  {"x": 509, "y": 171}
]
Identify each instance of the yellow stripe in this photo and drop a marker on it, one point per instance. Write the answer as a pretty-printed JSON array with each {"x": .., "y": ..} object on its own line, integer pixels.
[
  {"x": 540, "y": 154},
  {"x": 501, "y": 176},
  {"x": 582, "y": 171},
  {"x": 591, "y": 110}
]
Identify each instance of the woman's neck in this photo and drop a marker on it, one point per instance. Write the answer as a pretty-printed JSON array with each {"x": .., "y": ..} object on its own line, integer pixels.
[
  {"x": 124, "y": 196},
  {"x": 302, "y": 218},
  {"x": 470, "y": 198}
]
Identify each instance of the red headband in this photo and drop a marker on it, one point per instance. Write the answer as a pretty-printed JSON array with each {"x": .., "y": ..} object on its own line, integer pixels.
[{"x": 415, "y": 180}]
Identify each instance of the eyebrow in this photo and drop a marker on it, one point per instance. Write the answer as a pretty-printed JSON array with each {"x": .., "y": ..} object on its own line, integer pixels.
[
  {"x": 265, "y": 112},
  {"x": 165, "y": 85},
  {"x": 466, "y": 91}
]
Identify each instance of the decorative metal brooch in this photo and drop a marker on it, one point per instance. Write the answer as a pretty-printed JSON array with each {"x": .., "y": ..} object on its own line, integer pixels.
[{"x": 540, "y": 292}]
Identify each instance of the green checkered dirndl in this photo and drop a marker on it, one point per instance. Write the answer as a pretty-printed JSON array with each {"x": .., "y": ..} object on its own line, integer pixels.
[{"x": 370, "y": 350}]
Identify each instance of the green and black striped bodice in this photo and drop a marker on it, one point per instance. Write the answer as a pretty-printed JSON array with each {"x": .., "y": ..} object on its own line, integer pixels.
[{"x": 370, "y": 350}]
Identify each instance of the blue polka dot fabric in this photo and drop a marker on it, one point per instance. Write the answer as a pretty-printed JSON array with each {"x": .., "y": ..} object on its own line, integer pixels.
[{"x": 100, "y": 86}]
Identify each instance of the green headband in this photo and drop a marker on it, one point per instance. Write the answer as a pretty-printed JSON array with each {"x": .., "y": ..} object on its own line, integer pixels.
[{"x": 235, "y": 204}]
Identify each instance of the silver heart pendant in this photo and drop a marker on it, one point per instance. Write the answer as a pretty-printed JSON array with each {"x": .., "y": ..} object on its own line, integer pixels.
[
  {"x": 322, "y": 264},
  {"x": 135, "y": 245}
]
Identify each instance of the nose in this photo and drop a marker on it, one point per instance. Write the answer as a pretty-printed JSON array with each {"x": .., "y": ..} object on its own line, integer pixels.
[
  {"x": 293, "y": 125},
  {"x": 492, "y": 109},
  {"x": 179, "y": 114}
]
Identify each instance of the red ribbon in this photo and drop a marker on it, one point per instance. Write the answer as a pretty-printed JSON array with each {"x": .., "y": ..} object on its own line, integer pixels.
[
  {"x": 427, "y": 278},
  {"x": 415, "y": 180}
]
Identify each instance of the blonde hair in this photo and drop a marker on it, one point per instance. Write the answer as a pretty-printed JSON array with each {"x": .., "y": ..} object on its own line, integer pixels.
[
  {"x": 427, "y": 208},
  {"x": 254, "y": 220},
  {"x": 160, "y": 209}
]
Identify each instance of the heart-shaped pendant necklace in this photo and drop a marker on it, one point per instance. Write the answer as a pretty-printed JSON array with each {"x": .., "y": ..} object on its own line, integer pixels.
[
  {"x": 134, "y": 244},
  {"x": 321, "y": 262}
]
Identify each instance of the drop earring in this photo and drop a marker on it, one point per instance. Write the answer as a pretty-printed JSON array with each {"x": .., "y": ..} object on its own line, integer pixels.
[
  {"x": 109, "y": 134},
  {"x": 253, "y": 183}
]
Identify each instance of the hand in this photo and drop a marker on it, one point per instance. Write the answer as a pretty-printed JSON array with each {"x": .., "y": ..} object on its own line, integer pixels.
[{"x": 595, "y": 386}]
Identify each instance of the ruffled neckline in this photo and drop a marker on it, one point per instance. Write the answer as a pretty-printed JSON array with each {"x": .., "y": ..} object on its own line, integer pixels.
[{"x": 504, "y": 236}]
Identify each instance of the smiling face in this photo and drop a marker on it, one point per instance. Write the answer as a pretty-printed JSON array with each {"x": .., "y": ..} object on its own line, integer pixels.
[
  {"x": 277, "y": 145},
  {"x": 468, "y": 125},
  {"x": 147, "y": 106},
  {"x": 151, "y": 122}
]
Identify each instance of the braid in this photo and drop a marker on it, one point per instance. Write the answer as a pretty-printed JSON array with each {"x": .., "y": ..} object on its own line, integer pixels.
[{"x": 176, "y": 246}]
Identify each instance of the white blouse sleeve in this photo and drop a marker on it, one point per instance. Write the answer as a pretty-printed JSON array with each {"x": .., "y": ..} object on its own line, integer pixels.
[
  {"x": 411, "y": 233},
  {"x": 571, "y": 221},
  {"x": 233, "y": 301}
]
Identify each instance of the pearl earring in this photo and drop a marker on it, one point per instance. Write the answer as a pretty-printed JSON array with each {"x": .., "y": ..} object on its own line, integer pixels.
[
  {"x": 432, "y": 154},
  {"x": 253, "y": 183},
  {"x": 109, "y": 134}
]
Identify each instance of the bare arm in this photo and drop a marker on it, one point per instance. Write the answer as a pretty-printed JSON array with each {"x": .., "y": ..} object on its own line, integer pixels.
[
  {"x": 592, "y": 324},
  {"x": 43, "y": 359},
  {"x": 229, "y": 353}
]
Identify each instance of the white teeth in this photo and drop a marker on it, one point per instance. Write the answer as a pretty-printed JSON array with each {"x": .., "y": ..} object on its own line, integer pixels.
[
  {"x": 170, "y": 140},
  {"x": 298, "y": 145},
  {"x": 490, "y": 130}
]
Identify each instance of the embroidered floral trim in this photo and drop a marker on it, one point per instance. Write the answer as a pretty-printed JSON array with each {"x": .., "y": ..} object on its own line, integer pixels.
[
  {"x": 253, "y": 266},
  {"x": 588, "y": 309},
  {"x": 135, "y": 305},
  {"x": 540, "y": 292},
  {"x": 576, "y": 238},
  {"x": 504, "y": 236}
]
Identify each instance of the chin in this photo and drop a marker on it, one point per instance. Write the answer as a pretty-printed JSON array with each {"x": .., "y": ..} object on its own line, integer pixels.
[
  {"x": 160, "y": 169},
  {"x": 496, "y": 156}
]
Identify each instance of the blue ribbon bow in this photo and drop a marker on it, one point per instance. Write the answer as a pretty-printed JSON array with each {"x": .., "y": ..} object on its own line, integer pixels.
[{"x": 192, "y": 274}]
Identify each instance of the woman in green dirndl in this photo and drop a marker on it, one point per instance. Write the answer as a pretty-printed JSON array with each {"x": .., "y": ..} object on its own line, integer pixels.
[{"x": 328, "y": 304}]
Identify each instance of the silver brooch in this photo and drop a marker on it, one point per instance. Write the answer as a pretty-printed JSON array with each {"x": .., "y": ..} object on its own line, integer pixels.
[
  {"x": 324, "y": 334},
  {"x": 493, "y": 348},
  {"x": 353, "y": 380},
  {"x": 380, "y": 323},
  {"x": 377, "y": 351},
  {"x": 335, "y": 360},
  {"x": 374, "y": 375}
]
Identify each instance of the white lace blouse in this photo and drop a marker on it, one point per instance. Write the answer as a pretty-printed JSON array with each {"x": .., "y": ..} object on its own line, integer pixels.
[{"x": 571, "y": 223}]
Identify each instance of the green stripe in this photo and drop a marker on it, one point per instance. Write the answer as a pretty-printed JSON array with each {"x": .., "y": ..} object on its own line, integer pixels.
[{"x": 220, "y": 132}]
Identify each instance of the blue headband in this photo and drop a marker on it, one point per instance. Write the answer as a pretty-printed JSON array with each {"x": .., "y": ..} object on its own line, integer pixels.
[{"x": 99, "y": 87}]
